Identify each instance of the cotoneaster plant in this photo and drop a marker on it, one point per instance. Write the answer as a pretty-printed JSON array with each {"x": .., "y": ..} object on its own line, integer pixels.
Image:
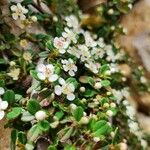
[{"x": 64, "y": 87}]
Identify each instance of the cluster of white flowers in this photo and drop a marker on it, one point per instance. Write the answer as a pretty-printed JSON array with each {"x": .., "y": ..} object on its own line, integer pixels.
[
  {"x": 121, "y": 94},
  {"x": 66, "y": 89},
  {"x": 89, "y": 52},
  {"x": 3, "y": 104},
  {"x": 72, "y": 22}
]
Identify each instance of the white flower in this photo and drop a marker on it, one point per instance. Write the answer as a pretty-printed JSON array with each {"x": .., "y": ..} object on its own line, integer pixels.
[
  {"x": 113, "y": 68},
  {"x": 61, "y": 44},
  {"x": 74, "y": 51},
  {"x": 40, "y": 115},
  {"x": 65, "y": 88},
  {"x": 89, "y": 40},
  {"x": 110, "y": 54},
  {"x": 72, "y": 22},
  {"x": 143, "y": 79},
  {"x": 2, "y": 90},
  {"x": 130, "y": 111},
  {"x": 92, "y": 66},
  {"x": 101, "y": 43},
  {"x": 133, "y": 126},
  {"x": 3, "y": 106},
  {"x": 69, "y": 66},
  {"x": 97, "y": 52},
  {"x": 69, "y": 35},
  {"x": 14, "y": 73},
  {"x": 118, "y": 95},
  {"x": 18, "y": 12},
  {"x": 84, "y": 53},
  {"x": 46, "y": 72}
]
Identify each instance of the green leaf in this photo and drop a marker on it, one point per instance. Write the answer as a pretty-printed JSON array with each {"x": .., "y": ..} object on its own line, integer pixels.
[
  {"x": 49, "y": 45},
  {"x": 44, "y": 54},
  {"x": 105, "y": 83},
  {"x": 27, "y": 2},
  {"x": 73, "y": 81},
  {"x": 69, "y": 147},
  {"x": 104, "y": 68},
  {"x": 9, "y": 96},
  {"x": 89, "y": 93},
  {"x": 26, "y": 116},
  {"x": 14, "y": 134},
  {"x": 78, "y": 113},
  {"x": 52, "y": 147},
  {"x": 44, "y": 125},
  {"x": 91, "y": 81},
  {"x": 67, "y": 134},
  {"x": 22, "y": 137},
  {"x": 99, "y": 124},
  {"x": 59, "y": 115},
  {"x": 2, "y": 83},
  {"x": 16, "y": 111},
  {"x": 33, "y": 73},
  {"x": 34, "y": 133},
  {"x": 91, "y": 123},
  {"x": 33, "y": 106},
  {"x": 104, "y": 130}
]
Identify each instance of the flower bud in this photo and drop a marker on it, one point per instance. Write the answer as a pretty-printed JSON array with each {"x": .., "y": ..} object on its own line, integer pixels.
[
  {"x": 96, "y": 139},
  {"x": 2, "y": 91},
  {"x": 106, "y": 105},
  {"x": 110, "y": 11},
  {"x": 109, "y": 113},
  {"x": 97, "y": 85},
  {"x": 113, "y": 105},
  {"x": 40, "y": 115},
  {"x": 73, "y": 106},
  {"x": 82, "y": 89},
  {"x": 34, "y": 18},
  {"x": 84, "y": 120},
  {"x": 54, "y": 124}
]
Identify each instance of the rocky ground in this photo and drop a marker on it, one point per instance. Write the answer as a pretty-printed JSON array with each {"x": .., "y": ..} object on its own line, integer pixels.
[{"x": 136, "y": 42}]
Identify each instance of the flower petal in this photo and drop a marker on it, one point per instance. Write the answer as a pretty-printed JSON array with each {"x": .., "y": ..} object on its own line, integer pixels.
[
  {"x": 58, "y": 90},
  {"x": 50, "y": 67},
  {"x": 22, "y": 17},
  {"x": 71, "y": 73},
  {"x": 61, "y": 81},
  {"x": 15, "y": 16},
  {"x": 53, "y": 77},
  {"x": 13, "y": 8},
  {"x": 62, "y": 51},
  {"x": 2, "y": 114},
  {"x": 71, "y": 86},
  {"x": 41, "y": 67},
  {"x": 70, "y": 96},
  {"x": 2, "y": 91},
  {"x": 3, "y": 105},
  {"x": 41, "y": 76}
]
